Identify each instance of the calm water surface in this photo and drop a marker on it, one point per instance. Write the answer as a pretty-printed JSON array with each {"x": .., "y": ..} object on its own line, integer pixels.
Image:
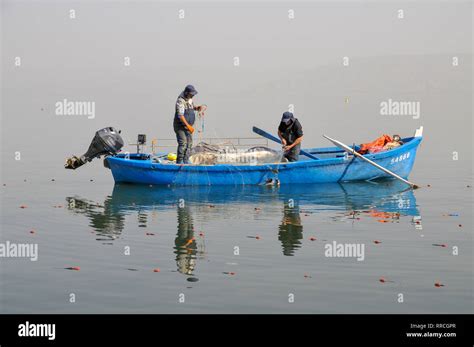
[{"x": 190, "y": 234}]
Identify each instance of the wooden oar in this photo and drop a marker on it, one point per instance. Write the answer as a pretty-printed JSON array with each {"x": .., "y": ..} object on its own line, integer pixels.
[
  {"x": 352, "y": 151},
  {"x": 273, "y": 138}
]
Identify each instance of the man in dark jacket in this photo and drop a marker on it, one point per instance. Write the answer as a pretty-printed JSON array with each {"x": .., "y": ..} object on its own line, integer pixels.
[
  {"x": 290, "y": 133},
  {"x": 183, "y": 122}
]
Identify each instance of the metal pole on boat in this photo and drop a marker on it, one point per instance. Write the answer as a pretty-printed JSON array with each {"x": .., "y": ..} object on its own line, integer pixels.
[{"x": 352, "y": 151}]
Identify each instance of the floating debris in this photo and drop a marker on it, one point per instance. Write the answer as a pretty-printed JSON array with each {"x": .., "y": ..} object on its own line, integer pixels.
[
  {"x": 229, "y": 273},
  {"x": 75, "y": 268},
  {"x": 384, "y": 280},
  {"x": 150, "y": 234},
  {"x": 440, "y": 245},
  {"x": 156, "y": 270},
  {"x": 91, "y": 180},
  {"x": 32, "y": 231},
  {"x": 52, "y": 180},
  {"x": 192, "y": 279},
  {"x": 132, "y": 269},
  {"x": 460, "y": 225},
  {"x": 428, "y": 185},
  {"x": 307, "y": 276}
]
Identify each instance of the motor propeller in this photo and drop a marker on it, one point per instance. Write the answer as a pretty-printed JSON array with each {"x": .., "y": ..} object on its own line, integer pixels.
[{"x": 107, "y": 141}]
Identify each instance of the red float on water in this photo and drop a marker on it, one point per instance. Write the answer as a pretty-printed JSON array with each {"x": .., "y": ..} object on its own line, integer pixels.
[
  {"x": 156, "y": 270},
  {"x": 382, "y": 280},
  {"x": 377, "y": 242},
  {"x": 312, "y": 238},
  {"x": 75, "y": 268}
]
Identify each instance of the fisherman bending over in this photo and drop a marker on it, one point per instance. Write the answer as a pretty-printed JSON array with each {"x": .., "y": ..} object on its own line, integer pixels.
[
  {"x": 290, "y": 133},
  {"x": 183, "y": 122}
]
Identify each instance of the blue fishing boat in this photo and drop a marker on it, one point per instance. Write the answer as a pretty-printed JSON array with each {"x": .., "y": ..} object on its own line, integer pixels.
[{"x": 333, "y": 165}]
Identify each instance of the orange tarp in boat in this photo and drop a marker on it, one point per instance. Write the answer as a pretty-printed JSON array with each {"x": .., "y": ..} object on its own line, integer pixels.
[{"x": 375, "y": 146}]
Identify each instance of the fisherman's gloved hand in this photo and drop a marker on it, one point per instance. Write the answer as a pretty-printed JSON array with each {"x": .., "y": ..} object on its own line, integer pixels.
[
  {"x": 201, "y": 109},
  {"x": 190, "y": 129}
]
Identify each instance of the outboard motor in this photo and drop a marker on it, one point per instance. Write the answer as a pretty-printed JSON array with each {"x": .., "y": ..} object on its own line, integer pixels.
[{"x": 107, "y": 141}]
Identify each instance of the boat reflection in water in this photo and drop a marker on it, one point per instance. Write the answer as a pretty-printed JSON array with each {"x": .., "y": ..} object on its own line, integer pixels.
[{"x": 385, "y": 201}]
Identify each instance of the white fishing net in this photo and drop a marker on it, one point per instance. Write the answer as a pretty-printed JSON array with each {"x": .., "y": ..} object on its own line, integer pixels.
[{"x": 207, "y": 154}]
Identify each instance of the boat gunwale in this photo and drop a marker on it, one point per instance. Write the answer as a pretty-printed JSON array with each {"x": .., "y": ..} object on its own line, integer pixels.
[{"x": 409, "y": 143}]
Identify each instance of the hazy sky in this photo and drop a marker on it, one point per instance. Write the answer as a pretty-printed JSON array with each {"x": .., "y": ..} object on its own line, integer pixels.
[{"x": 282, "y": 61}]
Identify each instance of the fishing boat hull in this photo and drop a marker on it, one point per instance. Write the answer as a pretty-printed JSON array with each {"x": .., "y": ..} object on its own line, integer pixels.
[{"x": 334, "y": 166}]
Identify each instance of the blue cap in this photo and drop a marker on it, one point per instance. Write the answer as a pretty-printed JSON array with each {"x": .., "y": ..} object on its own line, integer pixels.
[
  {"x": 190, "y": 90},
  {"x": 287, "y": 117}
]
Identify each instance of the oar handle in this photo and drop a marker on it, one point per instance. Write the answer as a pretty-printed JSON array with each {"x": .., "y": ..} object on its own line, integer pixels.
[{"x": 273, "y": 138}]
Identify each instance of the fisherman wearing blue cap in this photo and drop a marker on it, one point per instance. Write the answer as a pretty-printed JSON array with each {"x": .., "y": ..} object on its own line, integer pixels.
[
  {"x": 183, "y": 122},
  {"x": 290, "y": 133}
]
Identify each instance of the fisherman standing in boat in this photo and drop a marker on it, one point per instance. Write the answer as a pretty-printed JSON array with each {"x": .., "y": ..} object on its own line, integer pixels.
[
  {"x": 290, "y": 133},
  {"x": 183, "y": 122}
]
